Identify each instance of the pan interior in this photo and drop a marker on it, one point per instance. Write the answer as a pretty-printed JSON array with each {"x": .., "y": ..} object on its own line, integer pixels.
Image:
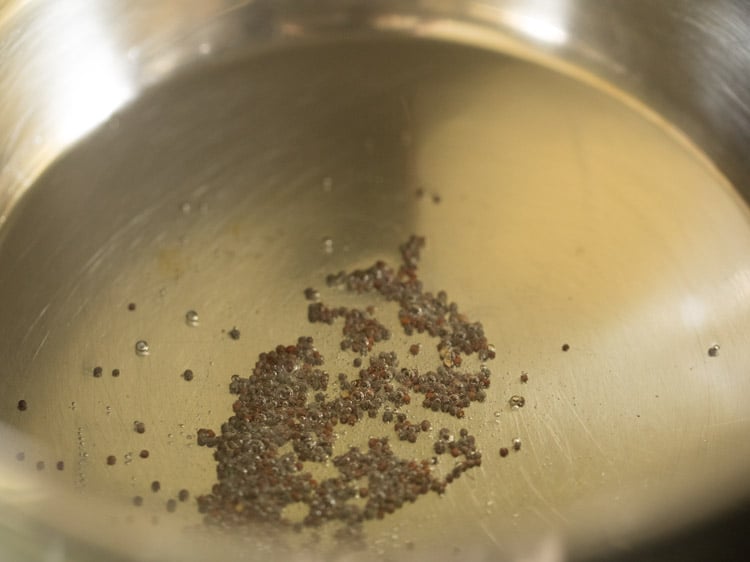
[{"x": 554, "y": 213}]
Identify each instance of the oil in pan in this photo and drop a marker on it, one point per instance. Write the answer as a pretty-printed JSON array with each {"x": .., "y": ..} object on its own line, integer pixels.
[{"x": 217, "y": 313}]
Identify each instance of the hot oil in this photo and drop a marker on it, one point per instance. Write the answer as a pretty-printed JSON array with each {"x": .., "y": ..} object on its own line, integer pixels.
[{"x": 554, "y": 214}]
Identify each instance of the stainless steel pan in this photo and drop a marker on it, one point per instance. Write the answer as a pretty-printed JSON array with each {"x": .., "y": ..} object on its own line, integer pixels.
[{"x": 578, "y": 170}]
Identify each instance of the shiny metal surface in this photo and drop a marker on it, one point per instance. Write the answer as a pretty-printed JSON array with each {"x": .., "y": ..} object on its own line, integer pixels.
[{"x": 232, "y": 137}]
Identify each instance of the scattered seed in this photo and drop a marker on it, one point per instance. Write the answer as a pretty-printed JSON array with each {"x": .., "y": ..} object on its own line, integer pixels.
[
  {"x": 414, "y": 349},
  {"x": 142, "y": 348},
  {"x": 115, "y": 372},
  {"x": 171, "y": 505},
  {"x": 517, "y": 444},
  {"x": 517, "y": 401},
  {"x": 187, "y": 375},
  {"x": 234, "y": 333},
  {"x": 311, "y": 294},
  {"x": 131, "y": 306},
  {"x": 143, "y": 454},
  {"x": 111, "y": 460},
  {"x": 60, "y": 465},
  {"x": 137, "y": 501},
  {"x": 98, "y": 372},
  {"x": 524, "y": 377},
  {"x": 192, "y": 318},
  {"x": 22, "y": 405},
  {"x": 155, "y": 486},
  {"x": 40, "y": 465},
  {"x": 139, "y": 427},
  {"x": 503, "y": 451},
  {"x": 565, "y": 347},
  {"x": 436, "y": 198},
  {"x": 713, "y": 351},
  {"x": 183, "y": 495}
]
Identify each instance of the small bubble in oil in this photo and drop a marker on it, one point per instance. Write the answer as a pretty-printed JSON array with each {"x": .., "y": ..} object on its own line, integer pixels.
[
  {"x": 108, "y": 410},
  {"x": 186, "y": 208},
  {"x": 713, "y": 351},
  {"x": 142, "y": 348},
  {"x": 517, "y": 401},
  {"x": 191, "y": 318},
  {"x": 328, "y": 245},
  {"x": 327, "y": 184}
]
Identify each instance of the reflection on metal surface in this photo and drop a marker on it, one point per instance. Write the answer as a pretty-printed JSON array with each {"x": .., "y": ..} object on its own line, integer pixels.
[
  {"x": 538, "y": 27},
  {"x": 86, "y": 78},
  {"x": 544, "y": 21},
  {"x": 693, "y": 312}
]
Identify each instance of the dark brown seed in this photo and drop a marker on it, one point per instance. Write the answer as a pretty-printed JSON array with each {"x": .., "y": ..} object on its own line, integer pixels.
[
  {"x": 115, "y": 372},
  {"x": 503, "y": 451},
  {"x": 171, "y": 505},
  {"x": 183, "y": 495},
  {"x": 565, "y": 347},
  {"x": 357, "y": 362},
  {"x": 20, "y": 456},
  {"x": 140, "y": 427},
  {"x": 155, "y": 486},
  {"x": 234, "y": 333},
  {"x": 60, "y": 465},
  {"x": 22, "y": 405},
  {"x": 40, "y": 465},
  {"x": 111, "y": 459},
  {"x": 425, "y": 425},
  {"x": 144, "y": 453},
  {"x": 137, "y": 501},
  {"x": 98, "y": 372},
  {"x": 524, "y": 377},
  {"x": 414, "y": 349},
  {"x": 131, "y": 306},
  {"x": 436, "y": 198},
  {"x": 187, "y": 375}
]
